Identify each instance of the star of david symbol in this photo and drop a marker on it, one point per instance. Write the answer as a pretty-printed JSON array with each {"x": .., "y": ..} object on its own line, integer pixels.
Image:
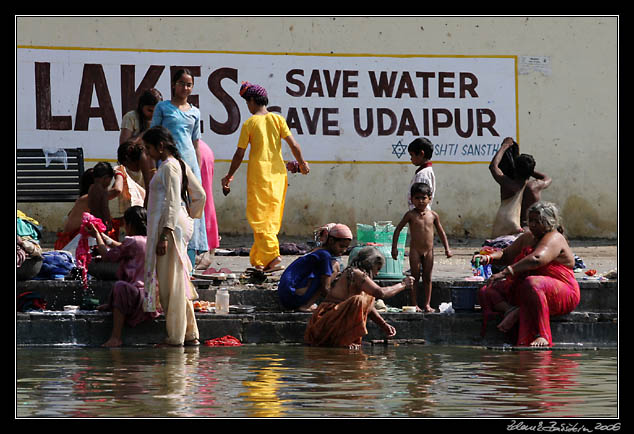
[{"x": 399, "y": 149}]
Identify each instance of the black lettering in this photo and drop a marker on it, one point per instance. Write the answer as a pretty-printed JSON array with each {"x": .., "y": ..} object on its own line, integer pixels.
[
  {"x": 383, "y": 87},
  {"x": 444, "y": 84},
  {"x": 93, "y": 78},
  {"x": 129, "y": 93},
  {"x": 406, "y": 86},
  {"x": 470, "y": 87},
  {"x": 347, "y": 84},
  {"x": 292, "y": 120},
  {"x": 457, "y": 120},
  {"x": 291, "y": 79},
  {"x": 233, "y": 112},
  {"x": 44, "y": 119},
  {"x": 381, "y": 129},
  {"x": 407, "y": 123},
  {"x": 488, "y": 124},
  {"x": 328, "y": 123},
  {"x": 314, "y": 84},
  {"x": 357, "y": 122}
]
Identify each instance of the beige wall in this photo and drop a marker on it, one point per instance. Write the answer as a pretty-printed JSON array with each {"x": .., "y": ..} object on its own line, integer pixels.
[{"x": 567, "y": 115}]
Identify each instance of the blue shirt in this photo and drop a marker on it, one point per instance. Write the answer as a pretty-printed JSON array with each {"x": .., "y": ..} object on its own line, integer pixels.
[
  {"x": 310, "y": 267},
  {"x": 185, "y": 128}
]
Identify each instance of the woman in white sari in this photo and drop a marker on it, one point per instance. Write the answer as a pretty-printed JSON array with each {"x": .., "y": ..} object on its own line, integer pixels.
[{"x": 175, "y": 197}]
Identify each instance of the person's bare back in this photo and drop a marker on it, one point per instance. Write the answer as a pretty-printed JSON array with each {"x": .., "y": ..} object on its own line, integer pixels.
[{"x": 74, "y": 218}]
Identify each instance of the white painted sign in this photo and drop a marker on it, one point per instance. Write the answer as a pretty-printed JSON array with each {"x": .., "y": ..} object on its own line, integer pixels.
[{"x": 340, "y": 108}]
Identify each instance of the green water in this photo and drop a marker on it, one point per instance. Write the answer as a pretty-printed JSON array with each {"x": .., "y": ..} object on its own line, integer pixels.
[{"x": 407, "y": 381}]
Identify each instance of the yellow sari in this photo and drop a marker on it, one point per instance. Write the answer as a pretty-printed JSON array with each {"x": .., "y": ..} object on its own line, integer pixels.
[{"x": 266, "y": 183}]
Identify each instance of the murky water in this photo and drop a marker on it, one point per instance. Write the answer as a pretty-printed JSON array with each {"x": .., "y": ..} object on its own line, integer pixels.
[{"x": 297, "y": 381}]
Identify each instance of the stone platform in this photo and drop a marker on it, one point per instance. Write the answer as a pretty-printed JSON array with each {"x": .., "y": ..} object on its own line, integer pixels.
[{"x": 593, "y": 324}]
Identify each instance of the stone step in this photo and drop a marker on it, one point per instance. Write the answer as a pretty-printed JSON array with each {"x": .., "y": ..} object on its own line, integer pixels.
[
  {"x": 593, "y": 323},
  {"x": 92, "y": 328},
  {"x": 596, "y": 296}
]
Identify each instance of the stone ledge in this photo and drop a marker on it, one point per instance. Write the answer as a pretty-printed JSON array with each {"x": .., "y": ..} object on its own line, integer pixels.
[
  {"x": 92, "y": 328},
  {"x": 596, "y": 296}
]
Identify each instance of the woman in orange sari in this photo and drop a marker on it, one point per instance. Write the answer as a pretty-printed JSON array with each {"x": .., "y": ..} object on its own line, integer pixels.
[
  {"x": 340, "y": 320},
  {"x": 538, "y": 282}
]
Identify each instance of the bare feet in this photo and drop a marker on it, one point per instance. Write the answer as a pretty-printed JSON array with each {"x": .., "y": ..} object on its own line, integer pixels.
[
  {"x": 510, "y": 319},
  {"x": 310, "y": 308},
  {"x": 426, "y": 309},
  {"x": 112, "y": 343},
  {"x": 539, "y": 342}
]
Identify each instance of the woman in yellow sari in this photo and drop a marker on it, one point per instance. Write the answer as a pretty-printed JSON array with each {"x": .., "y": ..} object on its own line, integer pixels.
[{"x": 266, "y": 174}]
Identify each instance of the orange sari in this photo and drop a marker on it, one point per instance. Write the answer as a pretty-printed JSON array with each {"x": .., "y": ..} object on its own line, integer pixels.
[{"x": 339, "y": 324}]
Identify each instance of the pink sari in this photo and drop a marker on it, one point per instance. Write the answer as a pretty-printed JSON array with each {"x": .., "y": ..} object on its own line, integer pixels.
[
  {"x": 207, "y": 175},
  {"x": 547, "y": 291}
]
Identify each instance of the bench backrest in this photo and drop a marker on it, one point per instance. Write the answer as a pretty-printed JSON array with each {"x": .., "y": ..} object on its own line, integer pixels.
[{"x": 57, "y": 181}]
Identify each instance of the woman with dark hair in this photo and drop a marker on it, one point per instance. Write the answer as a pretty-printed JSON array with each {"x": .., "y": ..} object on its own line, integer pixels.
[
  {"x": 131, "y": 178},
  {"x": 309, "y": 276},
  {"x": 340, "y": 320},
  {"x": 128, "y": 293},
  {"x": 182, "y": 119},
  {"x": 266, "y": 174},
  {"x": 538, "y": 281},
  {"x": 136, "y": 121},
  {"x": 175, "y": 198},
  {"x": 512, "y": 186}
]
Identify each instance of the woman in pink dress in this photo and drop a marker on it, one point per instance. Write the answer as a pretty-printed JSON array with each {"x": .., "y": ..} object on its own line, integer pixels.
[
  {"x": 207, "y": 175},
  {"x": 538, "y": 282},
  {"x": 128, "y": 293}
]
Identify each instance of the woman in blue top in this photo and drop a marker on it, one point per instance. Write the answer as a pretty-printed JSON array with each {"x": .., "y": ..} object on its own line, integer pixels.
[
  {"x": 182, "y": 119},
  {"x": 309, "y": 276}
]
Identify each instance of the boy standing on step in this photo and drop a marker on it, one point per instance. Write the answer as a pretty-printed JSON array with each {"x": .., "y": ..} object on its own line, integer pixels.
[{"x": 421, "y": 221}]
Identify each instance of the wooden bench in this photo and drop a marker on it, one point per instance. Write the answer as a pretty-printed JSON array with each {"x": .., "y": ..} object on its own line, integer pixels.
[{"x": 56, "y": 182}]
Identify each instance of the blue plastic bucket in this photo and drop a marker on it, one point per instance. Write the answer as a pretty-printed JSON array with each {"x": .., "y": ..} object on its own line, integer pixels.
[{"x": 464, "y": 298}]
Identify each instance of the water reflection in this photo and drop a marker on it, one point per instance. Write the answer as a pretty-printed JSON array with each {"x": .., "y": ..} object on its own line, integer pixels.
[{"x": 298, "y": 381}]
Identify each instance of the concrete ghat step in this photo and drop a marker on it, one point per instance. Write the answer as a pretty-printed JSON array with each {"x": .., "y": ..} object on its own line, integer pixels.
[
  {"x": 596, "y": 296},
  {"x": 594, "y": 323},
  {"x": 92, "y": 328}
]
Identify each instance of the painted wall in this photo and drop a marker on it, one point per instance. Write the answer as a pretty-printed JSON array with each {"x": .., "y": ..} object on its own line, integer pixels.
[{"x": 566, "y": 98}]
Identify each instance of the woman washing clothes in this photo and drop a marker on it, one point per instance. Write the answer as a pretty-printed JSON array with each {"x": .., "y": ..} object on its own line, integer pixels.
[
  {"x": 538, "y": 281},
  {"x": 126, "y": 299},
  {"x": 309, "y": 276},
  {"x": 93, "y": 199},
  {"x": 266, "y": 174},
  {"x": 340, "y": 320}
]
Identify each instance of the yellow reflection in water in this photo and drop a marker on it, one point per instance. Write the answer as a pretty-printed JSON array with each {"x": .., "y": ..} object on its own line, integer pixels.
[{"x": 263, "y": 392}]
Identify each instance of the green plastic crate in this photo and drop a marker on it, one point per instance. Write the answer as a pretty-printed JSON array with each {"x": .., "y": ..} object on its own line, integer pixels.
[
  {"x": 380, "y": 232},
  {"x": 380, "y": 235}
]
